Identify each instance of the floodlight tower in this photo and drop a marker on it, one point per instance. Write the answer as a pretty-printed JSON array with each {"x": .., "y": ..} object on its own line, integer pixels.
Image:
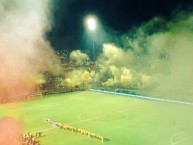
[{"x": 91, "y": 25}]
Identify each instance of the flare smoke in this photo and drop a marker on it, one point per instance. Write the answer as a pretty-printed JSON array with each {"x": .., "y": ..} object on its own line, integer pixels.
[{"x": 24, "y": 52}]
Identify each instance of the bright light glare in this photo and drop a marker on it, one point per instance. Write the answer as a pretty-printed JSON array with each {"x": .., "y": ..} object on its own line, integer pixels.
[{"x": 91, "y": 23}]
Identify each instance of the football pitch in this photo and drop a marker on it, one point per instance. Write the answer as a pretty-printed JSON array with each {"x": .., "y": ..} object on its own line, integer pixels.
[{"x": 120, "y": 120}]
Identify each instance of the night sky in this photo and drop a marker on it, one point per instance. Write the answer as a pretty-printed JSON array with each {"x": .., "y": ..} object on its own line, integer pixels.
[{"x": 116, "y": 16}]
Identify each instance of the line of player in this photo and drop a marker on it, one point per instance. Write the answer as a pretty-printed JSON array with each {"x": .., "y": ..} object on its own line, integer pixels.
[
  {"x": 30, "y": 138},
  {"x": 74, "y": 129}
]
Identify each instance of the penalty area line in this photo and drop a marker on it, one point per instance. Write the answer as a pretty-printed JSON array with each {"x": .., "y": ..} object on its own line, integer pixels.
[{"x": 179, "y": 141}]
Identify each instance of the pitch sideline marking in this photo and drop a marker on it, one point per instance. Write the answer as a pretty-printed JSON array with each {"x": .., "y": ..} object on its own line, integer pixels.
[
  {"x": 142, "y": 97},
  {"x": 11, "y": 110}
]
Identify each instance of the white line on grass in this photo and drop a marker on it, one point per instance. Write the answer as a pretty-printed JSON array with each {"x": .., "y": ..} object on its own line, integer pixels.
[
  {"x": 125, "y": 117},
  {"x": 142, "y": 97},
  {"x": 26, "y": 107},
  {"x": 180, "y": 141},
  {"x": 8, "y": 109},
  {"x": 83, "y": 120}
]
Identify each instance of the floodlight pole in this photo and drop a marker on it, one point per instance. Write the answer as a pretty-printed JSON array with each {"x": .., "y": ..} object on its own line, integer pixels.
[
  {"x": 91, "y": 23},
  {"x": 93, "y": 47}
]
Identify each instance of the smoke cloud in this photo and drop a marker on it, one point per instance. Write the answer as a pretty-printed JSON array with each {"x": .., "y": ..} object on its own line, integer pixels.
[
  {"x": 154, "y": 59},
  {"x": 10, "y": 132},
  {"x": 157, "y": 60},
  {"x": 24, "y": 51},
  {"x": 79, "y": 58}
]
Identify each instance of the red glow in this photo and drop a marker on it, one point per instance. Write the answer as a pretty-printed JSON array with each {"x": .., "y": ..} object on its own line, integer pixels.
[{"x": 10, "y": 132}]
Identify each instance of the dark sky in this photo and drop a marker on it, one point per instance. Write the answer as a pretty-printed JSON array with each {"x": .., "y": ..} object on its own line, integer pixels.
[{"x": 117, "y": 15}]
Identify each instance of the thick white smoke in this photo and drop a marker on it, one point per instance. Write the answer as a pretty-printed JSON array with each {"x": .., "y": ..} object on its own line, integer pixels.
[{"x": 24, "y": 52}]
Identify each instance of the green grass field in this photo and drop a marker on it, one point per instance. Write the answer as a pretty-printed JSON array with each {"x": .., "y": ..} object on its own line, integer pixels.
[{"x": 121, "y": 120}]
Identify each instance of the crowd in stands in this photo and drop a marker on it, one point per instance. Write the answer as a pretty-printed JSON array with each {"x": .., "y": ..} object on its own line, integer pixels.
[
  {"x": 60, "y": 90},
  {"x": 74, "y": 129}
]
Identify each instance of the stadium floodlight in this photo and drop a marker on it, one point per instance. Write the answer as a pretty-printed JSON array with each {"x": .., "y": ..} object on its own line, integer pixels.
[{"x": 91, "y": 23}]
